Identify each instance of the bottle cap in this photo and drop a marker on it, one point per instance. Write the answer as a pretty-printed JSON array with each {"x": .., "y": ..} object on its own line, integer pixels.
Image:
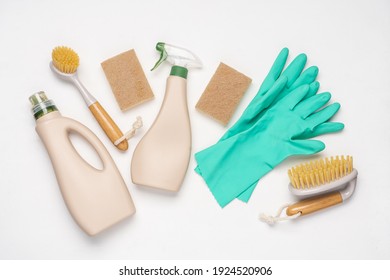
[{"x": 41, "y": 105}]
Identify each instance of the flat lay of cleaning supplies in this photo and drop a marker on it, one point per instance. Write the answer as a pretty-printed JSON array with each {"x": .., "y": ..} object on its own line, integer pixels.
[
  {"x": 161, "y": 158},
  {"x": 64, "y": 64},
  {"x": 327, "y": 182},
  {"x": 127, "y": 80},
  {"x": 223, "y": 93},
  {"x": 234, "y": 165},
  {"x": 96, "y": 198}
]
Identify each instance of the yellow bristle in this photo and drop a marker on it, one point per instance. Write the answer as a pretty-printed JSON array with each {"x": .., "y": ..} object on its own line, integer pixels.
[
  {"x": 302, "y": 185},
  {"x": 342, "y": 168},
  {"x": 344, "y": 165},
  {"x": 65, "y": 59},
  {"x": 291, "y": 178},
  {"x": 350, "y": 163},
  {"x": 307, "y": 180},
  {"x": 320, "y": 172},
  {"x": 327, "y": 175},
  {"x": 322, "y": 181},
  {"x": 296, "y": 183},
  {"x": 332, "y": 174},
  {"x": 312, "y": 178}
]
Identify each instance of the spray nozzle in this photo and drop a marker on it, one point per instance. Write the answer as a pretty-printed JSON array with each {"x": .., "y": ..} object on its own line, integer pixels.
[{"x": 177, "y": 56}]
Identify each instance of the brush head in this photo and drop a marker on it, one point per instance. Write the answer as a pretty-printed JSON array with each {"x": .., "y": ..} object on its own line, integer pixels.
[
  {"x": 320, "y": 172},
  {"x": 65, "y": 59},
  {"x": 321, "y": 175}
]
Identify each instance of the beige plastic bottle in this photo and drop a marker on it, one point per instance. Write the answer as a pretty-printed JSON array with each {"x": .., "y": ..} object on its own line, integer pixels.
[
  {"x": 97, "y": 199},
  {"x": 161, "y": 158}
]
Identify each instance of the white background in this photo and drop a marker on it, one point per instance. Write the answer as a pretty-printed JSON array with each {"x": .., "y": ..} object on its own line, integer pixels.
[{"x": 348, "y": 40}]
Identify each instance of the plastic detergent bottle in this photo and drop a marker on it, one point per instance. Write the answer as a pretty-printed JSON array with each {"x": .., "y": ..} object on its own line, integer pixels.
[{"x": 96, "y": 199}]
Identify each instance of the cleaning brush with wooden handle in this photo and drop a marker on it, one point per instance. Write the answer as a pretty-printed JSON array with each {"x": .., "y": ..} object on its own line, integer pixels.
[
  {"x": 324, "y": 183},
  {"x": 64, "y": 64}
]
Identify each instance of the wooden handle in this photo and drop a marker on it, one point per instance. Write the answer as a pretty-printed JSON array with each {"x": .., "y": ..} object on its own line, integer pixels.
[
  {"x": 311, "y": 205},
  {"x": 108, "y": 125}
]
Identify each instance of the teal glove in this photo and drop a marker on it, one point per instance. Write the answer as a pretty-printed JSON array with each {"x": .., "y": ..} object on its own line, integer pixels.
[
  {"x": 295, "y": 78},
  {"x": 234, "y": 165},
  {"x": 256, "y": 108}
]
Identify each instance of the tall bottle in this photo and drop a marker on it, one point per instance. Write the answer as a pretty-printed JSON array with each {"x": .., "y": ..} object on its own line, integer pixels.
[
  {"x": 161, "y": 158},
  {"x": 96, "y": 199}
]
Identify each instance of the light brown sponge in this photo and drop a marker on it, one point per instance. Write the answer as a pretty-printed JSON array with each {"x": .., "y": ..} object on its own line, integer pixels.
[
  {"x": 223, "y": 93},
  {"x": 127, "y": 80}
]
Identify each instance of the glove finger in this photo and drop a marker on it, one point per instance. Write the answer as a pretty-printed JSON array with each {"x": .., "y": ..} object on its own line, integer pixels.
[
  {"x": 306, "y": 147},
  {"x": 275, "y": 71},
  {"x": 312, "y": 104},
  {"x": 246, "y": 195},
  {"x": 323, "y": 115},
  {"x": 273, "y": 93},
  {"x": 294, "y": 69},
  {"x": 294, "y": 97},
  {"x": 258, "y": 104},
  {"x": 307, "y": 77},
  {"x": 324, "y": 128},
  {"x": 313, "y": 88}
]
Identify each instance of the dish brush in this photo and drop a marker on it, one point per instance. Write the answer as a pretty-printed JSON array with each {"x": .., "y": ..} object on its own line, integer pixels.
[{"x": 64, "y": 64}]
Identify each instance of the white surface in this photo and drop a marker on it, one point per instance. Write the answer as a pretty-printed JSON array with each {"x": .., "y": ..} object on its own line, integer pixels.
[{"x": 348, "y": 40}]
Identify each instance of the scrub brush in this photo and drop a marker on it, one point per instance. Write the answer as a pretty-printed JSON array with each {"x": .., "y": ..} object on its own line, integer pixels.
[
  {"x": 333, "y": 179},
  {"x": 64, "y": 64}
]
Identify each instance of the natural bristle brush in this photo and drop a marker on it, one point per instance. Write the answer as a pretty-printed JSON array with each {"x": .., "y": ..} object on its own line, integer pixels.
[
  {"x": 64, "y": 64},
  {"x": 327, "y": 182}
]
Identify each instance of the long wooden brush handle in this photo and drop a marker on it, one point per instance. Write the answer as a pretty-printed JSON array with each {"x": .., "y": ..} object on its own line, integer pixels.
[
  {"x": 108, "y": 125},
  {"x": 311, "y": 205}
]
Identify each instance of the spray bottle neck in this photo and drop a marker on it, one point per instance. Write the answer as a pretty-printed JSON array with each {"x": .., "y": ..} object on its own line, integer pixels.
[{"x": 179, "y": 71}]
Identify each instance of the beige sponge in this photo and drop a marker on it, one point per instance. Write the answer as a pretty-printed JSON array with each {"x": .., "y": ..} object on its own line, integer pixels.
[
  {"x": 223, "y": 93},
  {"x": 127, "y": 80}
]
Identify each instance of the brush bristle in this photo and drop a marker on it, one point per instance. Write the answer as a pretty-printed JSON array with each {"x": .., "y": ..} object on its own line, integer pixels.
[
  {"x": 320, "y": 172},
  {"x": 65, "y": 59}
]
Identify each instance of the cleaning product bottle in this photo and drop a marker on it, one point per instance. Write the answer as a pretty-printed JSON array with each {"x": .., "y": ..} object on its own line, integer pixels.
[
  {"x": 97, "y": 199},
  {"x": 161, "y": 158}
]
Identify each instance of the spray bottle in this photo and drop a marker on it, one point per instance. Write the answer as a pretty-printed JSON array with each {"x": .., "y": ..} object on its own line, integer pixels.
[
  {"x": 161, "y": 158},
  {"x": 96, "y": 199}
]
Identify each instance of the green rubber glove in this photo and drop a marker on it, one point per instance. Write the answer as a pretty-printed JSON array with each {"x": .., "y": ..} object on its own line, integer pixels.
[
  {"x": 256, "y": 108},
  {"x": 232, "y": 166},
  {"x": 295, "y": 78}
]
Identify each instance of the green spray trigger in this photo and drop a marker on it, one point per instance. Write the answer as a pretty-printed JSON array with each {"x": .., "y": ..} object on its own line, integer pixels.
[
  {"x": 163, "y": 54},
  {"x": 176, "y": 56}
]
